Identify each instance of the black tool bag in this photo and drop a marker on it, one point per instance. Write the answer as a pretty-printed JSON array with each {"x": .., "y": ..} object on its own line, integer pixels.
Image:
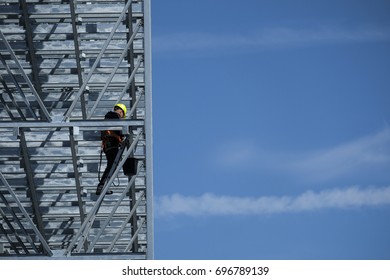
[{"x": 130, "y": 167}]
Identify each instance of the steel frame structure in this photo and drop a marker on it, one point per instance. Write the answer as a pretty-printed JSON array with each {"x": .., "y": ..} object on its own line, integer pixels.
[{"x": 63, "y": 65}]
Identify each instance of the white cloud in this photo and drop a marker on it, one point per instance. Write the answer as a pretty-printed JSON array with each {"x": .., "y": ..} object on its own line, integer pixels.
[
  {"x": 269, "y": 38},
  {"x": 237, "y": 153},
  {"x": 211, "y": 204},
  {"x": 349, "y": 158},
  {"x": 366, "y": 155}
]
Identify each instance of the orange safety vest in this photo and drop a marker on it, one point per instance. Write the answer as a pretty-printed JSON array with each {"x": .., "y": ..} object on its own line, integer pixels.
[{"x": 110, "y": 139}]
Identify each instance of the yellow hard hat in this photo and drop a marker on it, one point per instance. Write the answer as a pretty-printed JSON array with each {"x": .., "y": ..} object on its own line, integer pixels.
[{"x": 122, "y": 107}]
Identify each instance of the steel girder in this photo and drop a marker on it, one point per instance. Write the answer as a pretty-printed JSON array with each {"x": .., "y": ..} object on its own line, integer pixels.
[{"x": 63, "y": 64}]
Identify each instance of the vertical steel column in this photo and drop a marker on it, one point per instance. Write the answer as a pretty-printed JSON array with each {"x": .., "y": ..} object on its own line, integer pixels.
[
  {"x": 130, "y": 54},
  {"x": 81, "y": 204},
  {"x": 73, "y": 147},
  {"x": 148, "y": 128},
  {"x": 30, "y": 179},
  {"x": 134, "y": 219},
  {"x": 30, "y": 45},
  {"x": 77, "y": 54}
]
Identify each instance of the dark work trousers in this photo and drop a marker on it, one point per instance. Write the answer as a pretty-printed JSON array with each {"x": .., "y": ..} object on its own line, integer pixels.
[{"x": 110, "y": 156}]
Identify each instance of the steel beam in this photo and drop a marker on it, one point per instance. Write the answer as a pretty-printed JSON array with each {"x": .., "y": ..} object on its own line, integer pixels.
[
  {"x": 18, "y": 88},
  {"x": 125, "y": 221},
  {"x": 130, "y": 56},
  {"x": 26, "y": 215},
  {"x": 30, "y": 45},
  {"x": 77, "y": 51},
  {"x": 14, "y": 231},
  {"x": 96, "y": 63},
  {"x": 90, "y": 124},
  {"x": 30, "y": 181},
  {"x": 81, "y": 204},
  {"x": 131, "y": 78},
  {"x": 52, "y": 140},
  {"x": 115, "y": 69},
  {"x": 26, "y": 78},
  {"x": 135, "y": 235},
  {"x": 113, "y": 210},
  {"x": 148, "y": 127},
  {"x": 91, "y": 215}
]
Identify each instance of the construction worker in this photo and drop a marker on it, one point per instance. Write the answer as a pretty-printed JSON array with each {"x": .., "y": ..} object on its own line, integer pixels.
[{"x": 110, "y": 143}]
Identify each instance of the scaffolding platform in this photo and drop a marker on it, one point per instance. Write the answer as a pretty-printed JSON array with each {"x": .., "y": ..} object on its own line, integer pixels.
[{"x": 63, "y": 65}]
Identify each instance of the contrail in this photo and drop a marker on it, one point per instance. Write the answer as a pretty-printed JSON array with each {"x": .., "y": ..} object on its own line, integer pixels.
[{"x": 211, "y": 204}]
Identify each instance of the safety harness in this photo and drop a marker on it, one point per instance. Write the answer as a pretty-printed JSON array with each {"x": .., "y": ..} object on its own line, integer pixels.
[{"x": 110, "y": 139}]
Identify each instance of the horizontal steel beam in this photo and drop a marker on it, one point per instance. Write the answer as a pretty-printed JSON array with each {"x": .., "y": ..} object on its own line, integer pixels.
[
  {"x": 91, "y": 124},
  {"x": 80, "y": 256}
]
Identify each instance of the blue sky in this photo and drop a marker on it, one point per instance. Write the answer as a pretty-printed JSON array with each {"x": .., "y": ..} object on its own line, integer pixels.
[{"x": 271, "y": 129}]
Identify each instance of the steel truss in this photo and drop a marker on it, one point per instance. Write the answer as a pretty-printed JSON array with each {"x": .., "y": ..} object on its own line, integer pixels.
[{"x": 63, "y": 65}]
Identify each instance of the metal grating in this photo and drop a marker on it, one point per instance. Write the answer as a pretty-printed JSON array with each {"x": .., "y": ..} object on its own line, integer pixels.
[{"x": 63, "y": 65}]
